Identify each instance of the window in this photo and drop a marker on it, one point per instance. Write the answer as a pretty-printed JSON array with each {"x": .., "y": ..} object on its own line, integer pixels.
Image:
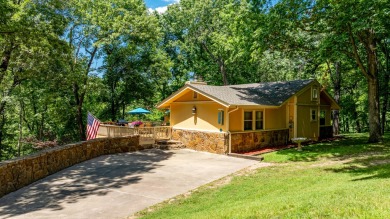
[
  {"x": 221, "y": 117},
  {"x": 322, "y": 117},
  {"x": 259, "y": 119},
  {"x": 248, "y": 118},
  {"x": 313, "y": 115},
  {"x": 195, "y": 95},
  {"x": 253, "y": 116},
  {"x": 314, "y": 93}
]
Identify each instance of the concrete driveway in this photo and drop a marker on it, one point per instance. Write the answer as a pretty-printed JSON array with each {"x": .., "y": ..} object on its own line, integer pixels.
[{"x": 116, "y": 186}]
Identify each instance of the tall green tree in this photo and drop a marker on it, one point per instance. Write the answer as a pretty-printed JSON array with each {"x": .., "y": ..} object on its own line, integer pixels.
[
  {"x": 29, "y": 42},
  {"x": 93, "y": 25},
  {"x": 357, "y": 27},
  {"x": 215, "y": 37}
]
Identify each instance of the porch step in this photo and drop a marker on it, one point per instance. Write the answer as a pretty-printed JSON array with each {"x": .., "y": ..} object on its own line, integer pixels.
[{"x": 168, "y": 144}]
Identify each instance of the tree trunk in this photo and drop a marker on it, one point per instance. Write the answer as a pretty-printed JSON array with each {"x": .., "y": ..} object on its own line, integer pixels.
[
  {"x": 222, "y": 69},
  {"x": 2, "y": 123},
  {"x": 357, "y": 122},
  {"x": 385, "y": 88},
  {"x": 373, "y": 110},
  {"x": 113, "y": 108},
  {"x": 373, "y": 92},
  {"x": 368, "y": 39},
  {"x": 221, "y": 64},
  {"x": 20, "y": 130},
  {"x": 336, "y": 79},
  {"x": 385, "y": 102},
  {"x": 5, "y": 59},
  {"x": 80, "y": 122},
  {"x": 79, "y": 96}
]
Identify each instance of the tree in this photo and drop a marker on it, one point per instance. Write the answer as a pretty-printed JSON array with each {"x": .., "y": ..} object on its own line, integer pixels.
[
  {"x": 29, "y": 41},
  {"x": 94, "y": 25},
  {"x": 357, "y": 28},
  {"x": 215, "y": 37}
]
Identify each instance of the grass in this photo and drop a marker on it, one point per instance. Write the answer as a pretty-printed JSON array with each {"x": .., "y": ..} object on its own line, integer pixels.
[{"x": 347, "y": 178}]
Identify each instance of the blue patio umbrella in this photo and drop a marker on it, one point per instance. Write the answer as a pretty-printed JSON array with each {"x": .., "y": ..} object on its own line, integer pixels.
[{"x": 138, "y": 111}]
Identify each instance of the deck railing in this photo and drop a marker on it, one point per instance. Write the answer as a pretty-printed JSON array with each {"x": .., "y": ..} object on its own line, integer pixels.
[
  {"x": 147, "y": 134},
  {"x": 111, "y": 131}
]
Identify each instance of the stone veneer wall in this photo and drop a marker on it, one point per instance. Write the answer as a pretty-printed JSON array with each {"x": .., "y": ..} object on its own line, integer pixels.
[
  {"x": 17, "y": 173},
  {"x": 213, "y": 142},
  {"x": 249, "y": 141}
]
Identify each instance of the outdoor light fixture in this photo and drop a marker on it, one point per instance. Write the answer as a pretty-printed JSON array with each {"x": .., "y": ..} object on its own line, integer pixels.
[{"x": 194, "y": 110}]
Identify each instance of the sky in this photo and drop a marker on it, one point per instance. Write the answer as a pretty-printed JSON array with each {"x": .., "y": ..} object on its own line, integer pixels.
[{"x": 159, "y": 5}]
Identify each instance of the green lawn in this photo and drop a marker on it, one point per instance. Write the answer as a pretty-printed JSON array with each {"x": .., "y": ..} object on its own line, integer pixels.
[{"x": 342, "y": 179}]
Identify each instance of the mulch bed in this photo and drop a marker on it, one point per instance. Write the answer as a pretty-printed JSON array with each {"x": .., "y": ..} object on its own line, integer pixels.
[{"x": 282, "y": 147}]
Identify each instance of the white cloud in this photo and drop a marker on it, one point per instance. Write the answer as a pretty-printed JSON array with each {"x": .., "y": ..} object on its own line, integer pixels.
[
  {"x": 163, "y": 9},
  {"x": 159, "y": 10},
  {"x": 171, "y": 1}
]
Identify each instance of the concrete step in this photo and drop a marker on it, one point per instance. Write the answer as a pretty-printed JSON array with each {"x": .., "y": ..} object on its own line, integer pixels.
[{"x": 168, "y": 144}]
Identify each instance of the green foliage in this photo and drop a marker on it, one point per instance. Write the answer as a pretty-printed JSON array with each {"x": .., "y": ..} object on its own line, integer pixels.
[
  {"x": 61, "y": 59},
  {"x": 342, "y": 179}
]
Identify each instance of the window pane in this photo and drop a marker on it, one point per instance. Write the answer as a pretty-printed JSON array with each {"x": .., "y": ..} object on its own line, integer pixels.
[
  {"x": 247, "y": 115},
  {"x": 259, "y": 119},
  {"x": 220, "y": 117},
  {"x": 259, "y": 124},
  {"x": 259, "y": 115},
  {"x": 247, "y": 125},
  {"x": 313, "y": 115}
]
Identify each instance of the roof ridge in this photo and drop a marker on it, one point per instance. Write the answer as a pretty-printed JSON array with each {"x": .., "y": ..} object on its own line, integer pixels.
[{"x": 267, "y": 82}]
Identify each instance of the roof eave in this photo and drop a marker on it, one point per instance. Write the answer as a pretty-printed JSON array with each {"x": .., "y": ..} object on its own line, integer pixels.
[
  {"x": 166, "y": 100},
  {"x": 223, "y": 103},
  {"x": 165, "y": 103},
  {"x": 334, "y": 105}
]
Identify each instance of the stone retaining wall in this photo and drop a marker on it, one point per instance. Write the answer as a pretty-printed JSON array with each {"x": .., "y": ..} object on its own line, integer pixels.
[
  {"x": 17, "y": 173},
  {"x": 249, "y": 141},
  {"x": 212, "y": 142}
]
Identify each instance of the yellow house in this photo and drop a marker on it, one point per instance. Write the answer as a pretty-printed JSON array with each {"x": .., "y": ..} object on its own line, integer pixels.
[{"x": 239, "y": 118}]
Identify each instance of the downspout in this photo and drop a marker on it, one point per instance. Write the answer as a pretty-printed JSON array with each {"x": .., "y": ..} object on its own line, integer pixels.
[{"x": 228, "y": 131}]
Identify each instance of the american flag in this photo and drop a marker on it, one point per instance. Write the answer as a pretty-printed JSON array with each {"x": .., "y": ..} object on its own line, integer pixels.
[{"x": 92, "y": 126}]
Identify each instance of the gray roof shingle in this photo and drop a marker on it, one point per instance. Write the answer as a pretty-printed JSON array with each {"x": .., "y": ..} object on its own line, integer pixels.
[{"x": 267, "y": 94}]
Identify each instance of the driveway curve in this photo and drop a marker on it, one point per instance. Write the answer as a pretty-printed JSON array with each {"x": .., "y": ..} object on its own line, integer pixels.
[{"x": 116, "y": 186}]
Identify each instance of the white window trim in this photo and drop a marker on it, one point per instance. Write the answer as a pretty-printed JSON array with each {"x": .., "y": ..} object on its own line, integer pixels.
[
  {"x": 262, "y": 119},
  {"x": 251, "y": 111},
  {"x": 314, "y": 89},
  {"x": 253, "y": 120},
  {"x": 222, "y": 122}
]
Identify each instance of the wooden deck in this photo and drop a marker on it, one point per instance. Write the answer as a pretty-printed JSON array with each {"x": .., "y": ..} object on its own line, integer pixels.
[{"x": 148, "y": 135}]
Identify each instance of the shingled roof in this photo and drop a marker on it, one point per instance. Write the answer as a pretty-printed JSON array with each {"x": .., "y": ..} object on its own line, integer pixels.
[{"x": 267, "y": 94}]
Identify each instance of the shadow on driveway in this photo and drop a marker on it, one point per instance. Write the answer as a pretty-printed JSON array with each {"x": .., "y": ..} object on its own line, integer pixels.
[{"x": 96, "y": 177}]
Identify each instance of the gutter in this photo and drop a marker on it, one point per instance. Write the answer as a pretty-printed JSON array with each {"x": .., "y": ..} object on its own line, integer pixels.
[{"x": 228, "y": 131}]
